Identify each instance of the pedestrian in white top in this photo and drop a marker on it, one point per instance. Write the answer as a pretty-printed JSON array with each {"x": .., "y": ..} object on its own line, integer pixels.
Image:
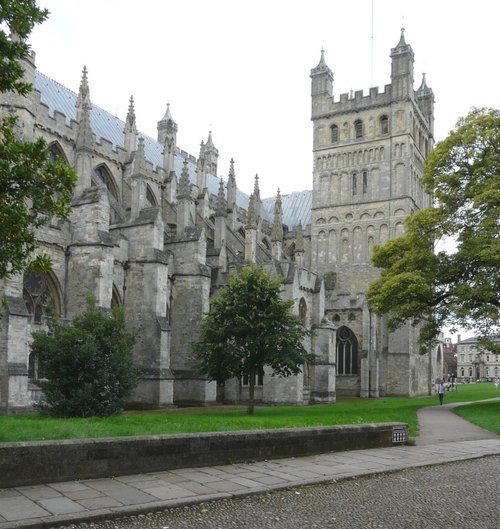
[{"x": 440, "y": 391}]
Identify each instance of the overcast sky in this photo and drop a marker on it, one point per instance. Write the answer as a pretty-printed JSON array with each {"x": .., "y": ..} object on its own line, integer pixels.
[{"x": 241, "y": 68}]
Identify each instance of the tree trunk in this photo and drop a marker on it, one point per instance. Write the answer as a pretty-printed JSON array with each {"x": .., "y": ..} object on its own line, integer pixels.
[{"x": 251, "y": 394}]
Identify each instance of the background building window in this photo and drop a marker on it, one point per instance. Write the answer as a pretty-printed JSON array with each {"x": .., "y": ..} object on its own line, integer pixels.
[{"x": 259, "y": 378}]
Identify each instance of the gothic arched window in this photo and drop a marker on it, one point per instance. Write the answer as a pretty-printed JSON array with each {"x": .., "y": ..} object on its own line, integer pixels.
[
  {"x": 151, "y": 201},
  {"x": 40, "y": 295},
  {"x": 56, "y": 153},
  {"x": 116, "y": 299},
  {"x": 384, "y": 125},
  {"x": 358, "y": 128},
  {"x": 334, "y": 131},
  {"x": 347, "y": 352},
  {"x": 102, "y": 176}
]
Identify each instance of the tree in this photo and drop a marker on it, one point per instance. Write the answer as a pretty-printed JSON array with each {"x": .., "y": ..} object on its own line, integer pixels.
[
  {"x": 88, "y": 366},
  {"x": 459, "y": 287},
  {"x": 32, "y": 188},
  {"x": 250, "y": 326}
]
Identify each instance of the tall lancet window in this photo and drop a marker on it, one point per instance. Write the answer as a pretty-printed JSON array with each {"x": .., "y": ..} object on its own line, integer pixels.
[
  {"x": 347, "y": 352},
  {"x": 358, "y": 128},
  {"x": 334, "y": 133}
]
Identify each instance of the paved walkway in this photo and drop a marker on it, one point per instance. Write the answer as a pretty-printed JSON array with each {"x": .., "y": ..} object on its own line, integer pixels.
[{"x": 444, "y": 438}]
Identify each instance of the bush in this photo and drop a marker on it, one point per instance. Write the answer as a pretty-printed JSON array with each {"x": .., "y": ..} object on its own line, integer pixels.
[{"x": 88, "y": 367}]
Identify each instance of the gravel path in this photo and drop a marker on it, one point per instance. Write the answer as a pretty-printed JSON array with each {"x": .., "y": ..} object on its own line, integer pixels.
[{"x": 461, "y": 495}]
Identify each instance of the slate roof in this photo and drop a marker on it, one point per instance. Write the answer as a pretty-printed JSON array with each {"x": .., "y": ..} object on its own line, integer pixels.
[{"x": 296, "y": 206}]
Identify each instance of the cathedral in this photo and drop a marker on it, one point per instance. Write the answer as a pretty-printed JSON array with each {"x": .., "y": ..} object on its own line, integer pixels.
[{"x": 158, "y": 231}]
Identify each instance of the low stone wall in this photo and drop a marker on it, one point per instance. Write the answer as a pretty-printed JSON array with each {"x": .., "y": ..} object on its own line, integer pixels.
[{"x": 30, "y": 463}]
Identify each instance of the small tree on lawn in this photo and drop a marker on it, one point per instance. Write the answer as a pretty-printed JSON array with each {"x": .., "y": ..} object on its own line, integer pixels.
[
  {"x": 250, "y": 326},
  {"x": 87, "y": 365}
]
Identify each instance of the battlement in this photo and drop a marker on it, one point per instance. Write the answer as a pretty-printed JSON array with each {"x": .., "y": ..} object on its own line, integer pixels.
[{"x": 351, "y": 102}]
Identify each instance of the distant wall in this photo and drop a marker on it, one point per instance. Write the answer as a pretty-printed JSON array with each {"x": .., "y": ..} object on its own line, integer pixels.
[{"x": 30, "y": 463}]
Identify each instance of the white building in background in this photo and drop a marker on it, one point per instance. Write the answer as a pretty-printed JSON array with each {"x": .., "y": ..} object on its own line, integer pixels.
[{"x": 475, "y": 363}]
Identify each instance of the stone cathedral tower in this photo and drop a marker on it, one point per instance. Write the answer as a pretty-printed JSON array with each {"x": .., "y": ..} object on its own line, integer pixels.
[{"x": 369, "y": 152}]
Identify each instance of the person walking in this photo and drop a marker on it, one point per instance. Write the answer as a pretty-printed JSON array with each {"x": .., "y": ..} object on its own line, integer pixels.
[{"x": 440, "y": 391}]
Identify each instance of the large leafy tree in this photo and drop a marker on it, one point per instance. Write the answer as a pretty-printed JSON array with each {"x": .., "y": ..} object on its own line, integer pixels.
[
  {"x": 32, "y": 188},
  {"x": 423, "y": 281},
  {"x": 87, "y": 366},
  {"x": 250, "y": 326}
]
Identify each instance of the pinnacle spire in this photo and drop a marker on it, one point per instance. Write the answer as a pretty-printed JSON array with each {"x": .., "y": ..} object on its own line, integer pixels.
[
  {"x": 277, "y": 230},
  {"x": 210, "y": 143},
  {"x": 322, "y": 66},
  {"x": 424, "y": 89},
  {"x": 256, "y": 190},
  {"x": 231, "y": 170},
  {"x": 251, "y": 214},
  {"x": 184, "y": 187},
  {"x": 220, "y": 204},
  {"x": 299, "y": 238},
  {"x": 168, "y": 115},
  {"x": 84, "y": 137},
  {"x": 84, "y": 91},
  {"x": 402, "y": 46},
  {"x": 140, "y": 157},
  {"x": 131, "y": 112},
  {"x": 167, "y": 129},
  {"x": 130, "y": 131},
  {"x": 402, "y": 41},
  {"x": 257, "y": 201},
  {"x": 231, "y": 186}
]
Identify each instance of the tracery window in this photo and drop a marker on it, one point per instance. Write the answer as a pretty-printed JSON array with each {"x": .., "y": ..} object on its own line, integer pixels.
[
  {"x": 40, "y": 296},
  {"x": 347, "y": 352}
]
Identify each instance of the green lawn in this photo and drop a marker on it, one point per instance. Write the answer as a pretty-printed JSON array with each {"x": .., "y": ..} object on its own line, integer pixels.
[
  {"x": 33, "y": 426},
  {"x": 485, "y": 414}
]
